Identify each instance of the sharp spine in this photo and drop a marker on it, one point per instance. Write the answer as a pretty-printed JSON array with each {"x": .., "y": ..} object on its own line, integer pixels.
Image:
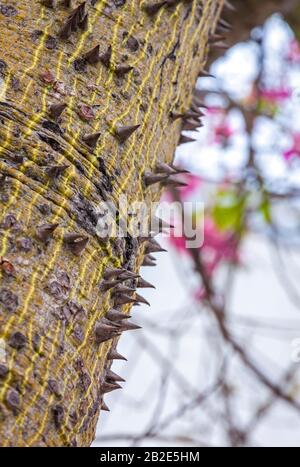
[
  {"x": 123, "y": 70},
  {"x": 113, "y": 377},
  {"x": 45, "y": 231},
  {"x": 129, "y": 326},
  {"x": 56, "y": 170},
  {"x": 151, "y": 179},
  {"x": 93, "y": 57},
  {"x": 114, "y": 355},
  {"x": 141, "y": 299},
  {"x": 116, "y": 315},
  {"x": 124, "y": 132},
  {"x": 55, "y": 110},
  {"x": 92, "y": 139},
  {"x": 104, "y": 407},
  {"x": 143, "y": 284},
  {"x": 105, "y": 58},
  {"x": 109, "y": 387},
  {"x": 123, "y": 299},
  {"x": 104, "y": 332}
]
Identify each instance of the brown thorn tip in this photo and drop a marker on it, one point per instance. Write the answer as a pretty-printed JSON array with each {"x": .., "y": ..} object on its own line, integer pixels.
[
  {"x": 128, "y": 275},
  {"x": 141, "y": 299},
  {"x": 105, "y": 286},
  {"x": 128, "y": 326},
  {"x": 66, "y": 30},
  {"x": 122, "y": 289},
  {"x": 151, "y": 179},
  {"x": 105, "y": 332},
  {"x": 148, "y": 262},
  {"x": 153, "y": 247},
  {"x": 104, "y": 407},
  {"x": 173, "y": 182},
  {"x": 152, "y": 9},
  {"x": 186, "y": 139},
  {"x": 184, "y": 115},
  {"x": 162, "y": 167},
  {"x": 122, "y": 70},
  {"x": 191, "y": 124},
  {"x": 109, "y": 387},
  {"x": 111, "y": 273},
  {"x": 45, "y": 231},
  {"x": 106, "y": 57},
  {"x": 49, "y": 3},
  {"x": 56, "y": 170},
  {"x": 114, "y": 355},
  {"x": 116, "y": 315},
  {"x": 142, "y": 284},
  {"x": 93, "y": 56},
  {"x": 123, "y": 299},
  {"x": 83, "y": 25},
  {"x": 55, "y": 110},
  {"x": 229, "y": 5},
  {"x": 76, "y": 243},
  {"x": 205, "y": 74},
  {"x": 76, "y": 19},
  {"x": 92, "y": 139},
  {"x": 124, "y": 132},
  {"x": 112, "y": 376}
]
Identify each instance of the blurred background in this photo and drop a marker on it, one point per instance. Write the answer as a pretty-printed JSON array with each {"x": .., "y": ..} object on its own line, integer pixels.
[{"x": 217, "y": 362}]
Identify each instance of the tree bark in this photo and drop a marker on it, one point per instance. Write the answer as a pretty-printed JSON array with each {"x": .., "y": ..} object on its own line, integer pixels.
[{"x": 53, "y": 93}]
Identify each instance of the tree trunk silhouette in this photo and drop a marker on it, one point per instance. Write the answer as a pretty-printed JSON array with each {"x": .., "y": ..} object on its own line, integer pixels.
[
  {"x": 72, "y": 76},
  {"x": 251, "y": 13}
]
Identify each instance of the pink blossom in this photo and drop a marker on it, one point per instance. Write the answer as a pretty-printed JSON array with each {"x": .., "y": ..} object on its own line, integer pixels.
[
  {"x": 194, "y": 182},
  {"x": 275, "y": 95},
  {"x": 293, "y": 54},
  {"x": 223, "y": 132},
  {"x": 200, "y": 295},
  {"x": 214, "y": 110},
  {"x": 218, "y": 246},
  {"x": 294, "y": 150}
]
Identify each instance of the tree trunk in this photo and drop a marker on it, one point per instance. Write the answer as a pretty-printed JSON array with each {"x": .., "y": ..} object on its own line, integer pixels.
[{"x": 53, "y": 96}]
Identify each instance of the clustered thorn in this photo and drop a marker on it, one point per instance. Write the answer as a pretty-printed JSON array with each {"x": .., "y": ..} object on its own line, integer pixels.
[
  {"x": 77, "y": 19},
  {"x": 106, "y": 57},
  {"x": 49, "y": 3},
  {"x": 76, "y": 243},
  {"x": 55, "y": 171},
  {"x": 122, "y": 70},
  {"x": 164, "y": 174},
  {"x": 45, "y": 231},
  {"x": 148, "y": 261},
  {"x": 229, "y": 5},
  {"x": 93, "y": 56},
  {"x": 116, "y": 315},
  {"x": 152, "y": 9}
]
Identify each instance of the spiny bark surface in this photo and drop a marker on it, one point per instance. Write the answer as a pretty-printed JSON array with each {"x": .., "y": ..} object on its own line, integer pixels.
[{"x": 54, "y": 94}]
